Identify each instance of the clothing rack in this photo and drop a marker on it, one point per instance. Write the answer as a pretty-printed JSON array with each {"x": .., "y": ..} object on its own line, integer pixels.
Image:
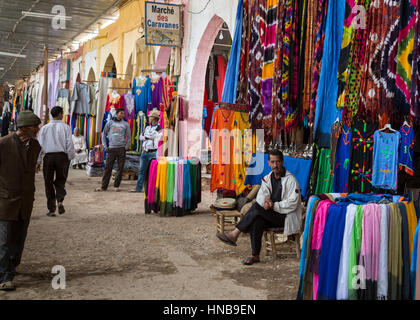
[
  {"x": 154, "y": 70},
  {"x": 234, "y": 106}
]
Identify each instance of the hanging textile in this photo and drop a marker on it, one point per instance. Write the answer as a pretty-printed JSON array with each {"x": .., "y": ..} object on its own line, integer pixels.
[
  {"x": 242, "y": 82},
  {"x": 352, "y": 89},
  {"x": 231, "y": 77},
  {"x": 361, "y": 157},
  {"x": 268, "y": 67},
  {"x": 406, "y": 154},
  {"x": 317, "y": 57},
  {"x": 129, "y": 109},
  {"x": 241, "y": 149},
  {"x": 256, "y": 53},
  {"x": 222, "y": 151},
  {"x": 326, "y": 111},
  {"x": 173, "y": 186},
  {"x": 142, "y": 92},
  {"x": 324, "y": 177},
  {"x": 156, "y": 93},
  {"x": 277, "y": 101},
  {"x": 405, "y": 50},
  {"x": 368, "y": 243},
  {"x": 385, "y": 159},
  {"x": 342, "y": 161},
  {"x": 346, "y": 49}
]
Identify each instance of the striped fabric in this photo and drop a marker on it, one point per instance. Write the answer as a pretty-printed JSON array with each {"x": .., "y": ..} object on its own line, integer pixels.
[
  {"x": 268, "y": 65},
  {"x": 278, "y": 111},
  {"x": 256, "y": 52},
  {"x": 242, "y": 87},
  {"x": 317, "y": 57}
]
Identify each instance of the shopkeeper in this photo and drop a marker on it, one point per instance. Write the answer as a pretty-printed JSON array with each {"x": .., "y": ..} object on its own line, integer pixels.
[
  {"x": 151, "y": 137},
  {"x": 278, "y": 205}
]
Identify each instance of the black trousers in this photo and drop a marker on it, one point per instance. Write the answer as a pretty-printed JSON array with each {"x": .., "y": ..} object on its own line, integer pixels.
[
  {"x": 55, "y": 164},
  {"x": 12, "y": 240},
  {"x": 256, "y": 220},
  {"x": 113, "y": 154}
]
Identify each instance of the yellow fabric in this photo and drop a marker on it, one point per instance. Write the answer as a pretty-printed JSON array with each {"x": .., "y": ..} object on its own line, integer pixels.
[
  {"x": 163, "y": 171},
  {"x": 412, "y": 224},
  {"x": 144, "y": 57},
  {"x": 240, "y": 123}
]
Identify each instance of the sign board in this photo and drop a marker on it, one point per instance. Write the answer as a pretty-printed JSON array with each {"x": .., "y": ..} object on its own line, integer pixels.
[{"x": 163, "y": 24}]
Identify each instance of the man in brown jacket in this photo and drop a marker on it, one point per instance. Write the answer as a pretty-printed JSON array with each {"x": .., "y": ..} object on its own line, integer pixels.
[{"x": 18, "y": 164}]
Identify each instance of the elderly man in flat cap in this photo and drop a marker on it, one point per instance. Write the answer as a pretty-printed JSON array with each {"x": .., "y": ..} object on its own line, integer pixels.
[{"x": 18, "y": 164}]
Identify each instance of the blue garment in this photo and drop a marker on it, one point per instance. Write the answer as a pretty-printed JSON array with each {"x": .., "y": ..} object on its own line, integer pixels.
[
  {"x": 204, "y": 116},
  {"x": 300, "y": 168},
  {"x": 364, "y": 198},
  {"x": 332, "y": 242},
  {"x": 342, "y": 160},
  {"x": 232, "y": 70},
  {"x": 413, "y": 268},
  {"x": 212, "y": 119},
  {"x": 405, "y": 154},
  {"x": 186, "y": 194},
  {"x": 385, "y": 159},
  {"x": 142, "y": 94},
  {"x": 303, "y": 261},
  {"x": 144, "y": 160},
  {"x": 326, "y": 111}
]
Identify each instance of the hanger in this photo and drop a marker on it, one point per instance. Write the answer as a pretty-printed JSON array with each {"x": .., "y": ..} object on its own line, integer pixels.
[
  {"x": 387, "y": 127},
  {"x": 114, "y": 93},
  {"x": 337, "y": 120}
]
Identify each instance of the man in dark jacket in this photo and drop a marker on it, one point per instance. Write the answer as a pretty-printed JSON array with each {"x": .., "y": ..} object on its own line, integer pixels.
[{"x": 18, "y": 164}]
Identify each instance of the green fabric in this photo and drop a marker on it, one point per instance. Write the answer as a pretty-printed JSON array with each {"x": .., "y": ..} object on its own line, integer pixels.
[
  {"x": 325, "y": 178},
  {"x": 355, "y": 246},
  {"x": 395, "y": 261},
  {"x": 170, "y": 180}
]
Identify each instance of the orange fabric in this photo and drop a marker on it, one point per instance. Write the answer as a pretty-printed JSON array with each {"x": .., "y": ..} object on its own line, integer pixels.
[{"x": 222, "y": 168}]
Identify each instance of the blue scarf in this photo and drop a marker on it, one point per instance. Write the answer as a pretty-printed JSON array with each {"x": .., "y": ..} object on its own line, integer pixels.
[{"x": 232, "y": 70}]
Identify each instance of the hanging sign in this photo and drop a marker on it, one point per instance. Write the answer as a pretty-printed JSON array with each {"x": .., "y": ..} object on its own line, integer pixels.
[{"x": 163, "y": 24}]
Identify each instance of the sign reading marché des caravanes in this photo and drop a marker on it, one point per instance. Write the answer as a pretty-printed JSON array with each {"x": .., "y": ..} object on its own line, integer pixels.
[{"x": 163, "y": 24}]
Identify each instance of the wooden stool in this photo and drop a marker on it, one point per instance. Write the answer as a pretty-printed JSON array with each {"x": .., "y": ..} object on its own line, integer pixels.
[
  {"x": 226, "y": 220},
  {"x": 271, "y": 245}
]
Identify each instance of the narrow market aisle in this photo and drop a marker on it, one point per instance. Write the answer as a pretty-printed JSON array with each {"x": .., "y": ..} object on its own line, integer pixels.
[{"x": 111, "y": 250}]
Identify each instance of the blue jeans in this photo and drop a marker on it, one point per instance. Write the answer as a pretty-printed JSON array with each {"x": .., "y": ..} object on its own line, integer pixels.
[
  {"x": 144, "y": 160},
  {"x": 12, "y": 240}
]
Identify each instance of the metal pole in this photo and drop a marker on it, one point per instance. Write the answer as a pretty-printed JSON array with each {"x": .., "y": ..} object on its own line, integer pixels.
[{"x": 45, "y": 91}]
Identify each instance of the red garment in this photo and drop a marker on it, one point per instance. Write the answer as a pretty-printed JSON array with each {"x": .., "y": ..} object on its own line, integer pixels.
[
  {"x": 207, "y": 122},
  {"x": 111, "y": 102},
  {"x": 167, "y": 90},
  {"x": 222, "y": 65}
]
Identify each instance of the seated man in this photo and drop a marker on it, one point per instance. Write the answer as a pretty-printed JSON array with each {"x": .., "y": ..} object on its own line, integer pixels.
[
  {"x": 278, "y": 205},
  {"x": 80, "y": 149}
]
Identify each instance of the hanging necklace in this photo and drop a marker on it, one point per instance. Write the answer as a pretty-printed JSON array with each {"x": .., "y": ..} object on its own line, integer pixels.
[
  {"x": 346, "y": 140},
  {"x": 242, "y": 117},
  {"x": 226, "y": 118}
]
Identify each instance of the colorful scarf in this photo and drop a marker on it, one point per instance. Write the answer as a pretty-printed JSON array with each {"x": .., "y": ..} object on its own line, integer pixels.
[
  {"x": 405, "y": 50},
  {"x": 317, "y": 57},
  {"x": 278, "y": 110},
  {"x": 256, "y": 52},
  {"x": 357, "y": 60},
  {"x": 268, "y": 67},
  {"x": 242, "y": 88}
]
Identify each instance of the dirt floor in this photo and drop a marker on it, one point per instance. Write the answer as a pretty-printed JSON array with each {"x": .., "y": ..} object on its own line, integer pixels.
[{"x": 110, "y": 249}]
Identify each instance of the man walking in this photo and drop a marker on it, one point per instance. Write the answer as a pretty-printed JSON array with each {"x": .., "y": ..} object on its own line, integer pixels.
[
  {"x": 57, "y": 145},
  {"x": 18, "y": 163},
  {"x": 116, "y": 137},
  {"x": 151, "y": 137}
]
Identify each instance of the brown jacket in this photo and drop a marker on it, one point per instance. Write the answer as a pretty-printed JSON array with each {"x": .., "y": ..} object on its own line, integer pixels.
[{"x": 17, "y": 177}]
